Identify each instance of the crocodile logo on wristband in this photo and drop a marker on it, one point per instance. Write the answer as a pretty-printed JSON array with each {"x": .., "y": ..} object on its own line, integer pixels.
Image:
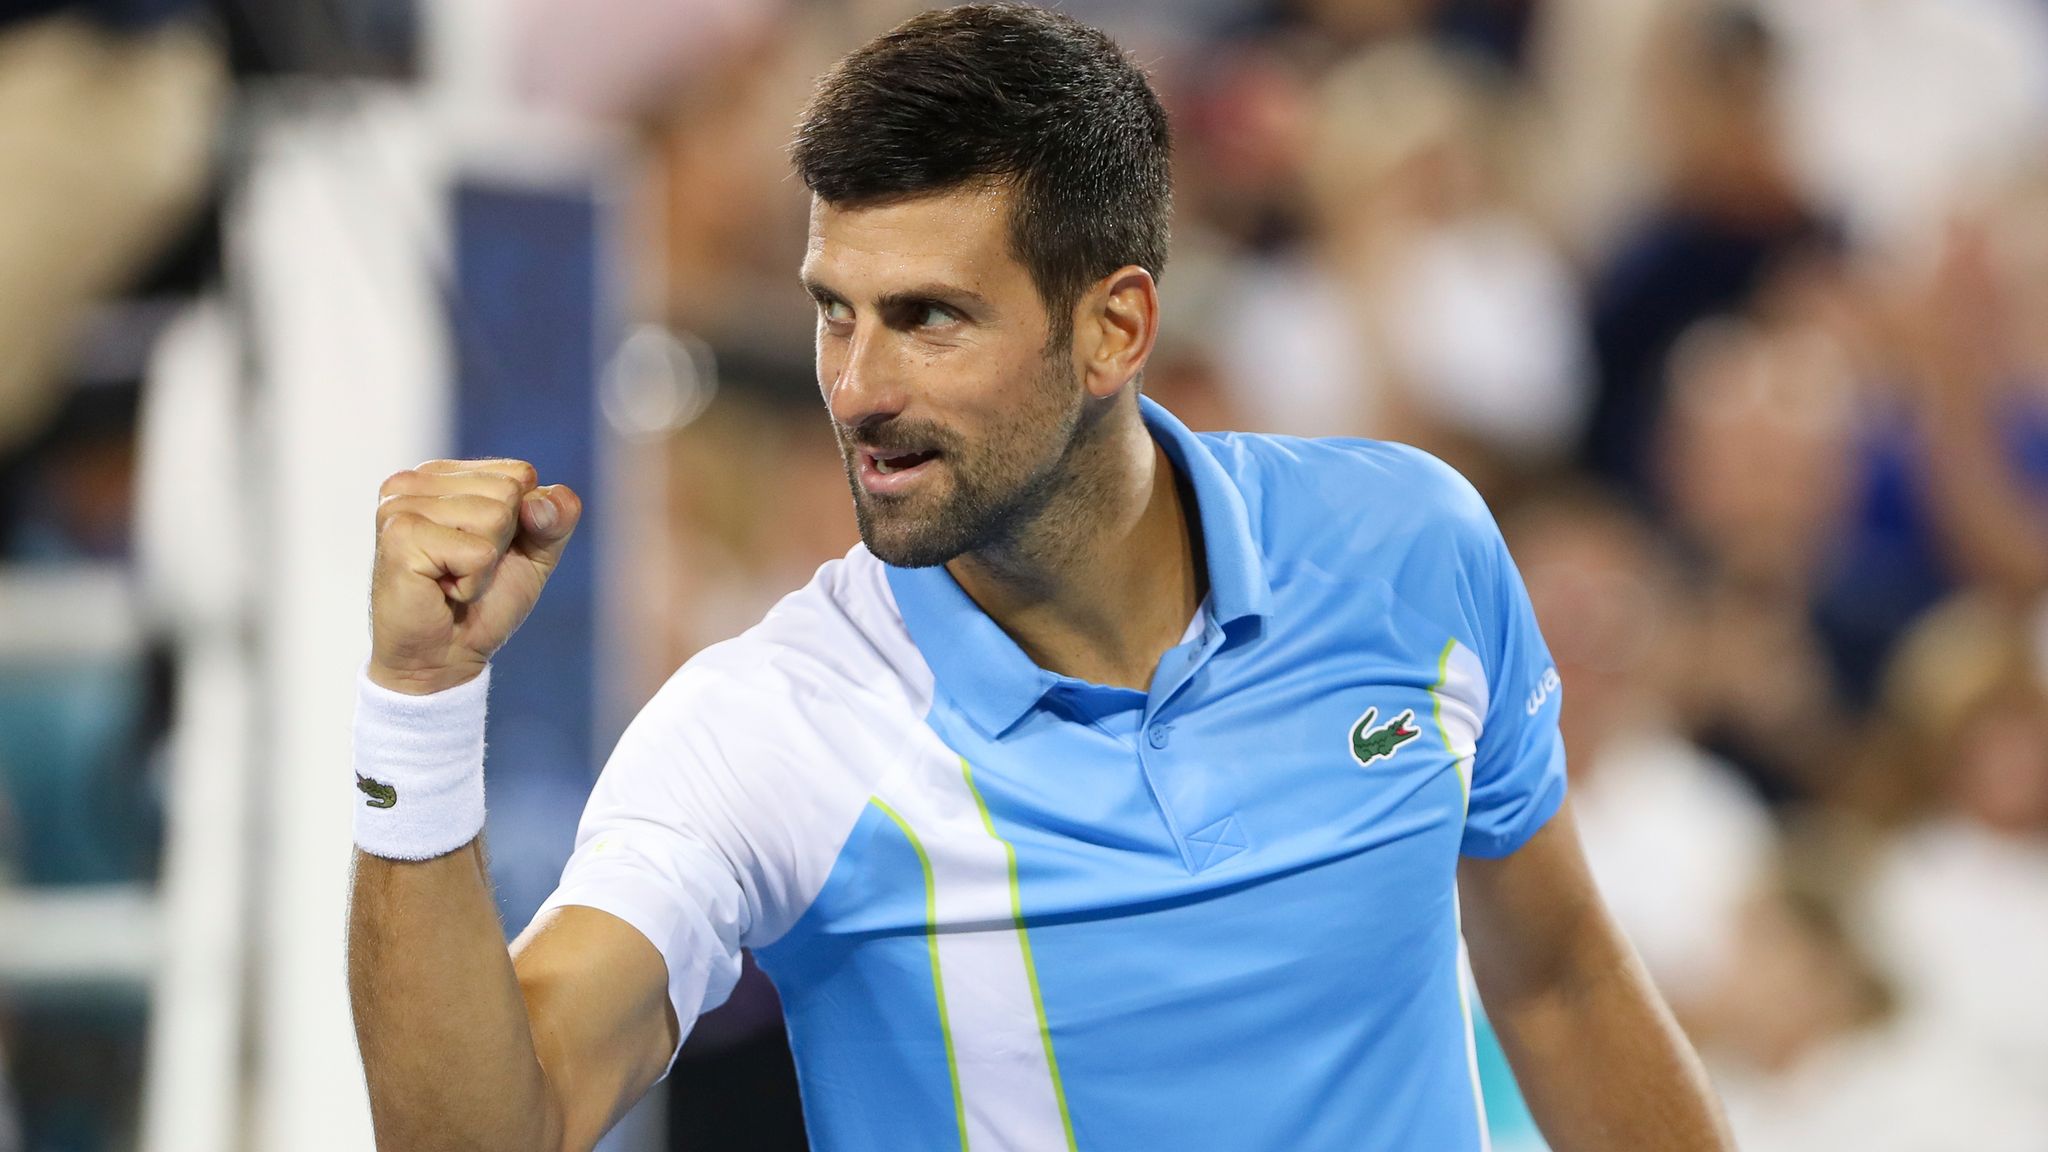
[{"x": 380, "y": 795}]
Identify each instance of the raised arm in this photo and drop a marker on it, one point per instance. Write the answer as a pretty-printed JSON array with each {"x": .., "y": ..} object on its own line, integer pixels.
[
  {"x": 464, "y": 1045},
  {"x": 1599, "y": 1058},
  {"x": 467, "y": 1047}
]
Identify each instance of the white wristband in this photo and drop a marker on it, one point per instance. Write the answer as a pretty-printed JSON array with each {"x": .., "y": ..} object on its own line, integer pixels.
[{"x": 419, "y": 763}]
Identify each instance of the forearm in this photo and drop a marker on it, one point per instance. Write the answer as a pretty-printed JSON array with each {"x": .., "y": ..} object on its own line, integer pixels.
[
  {"x": 1601, "y": 1061},
  {"x": 1986, "y": 515},
  {"x": 446, "y": 1042}
]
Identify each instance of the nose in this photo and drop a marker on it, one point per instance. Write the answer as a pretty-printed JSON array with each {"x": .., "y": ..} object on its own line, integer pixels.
[{"x": 860, "y": 381}]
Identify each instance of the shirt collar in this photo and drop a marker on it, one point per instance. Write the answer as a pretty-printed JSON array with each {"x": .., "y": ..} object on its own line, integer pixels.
[{"x": 981, "y": 669}]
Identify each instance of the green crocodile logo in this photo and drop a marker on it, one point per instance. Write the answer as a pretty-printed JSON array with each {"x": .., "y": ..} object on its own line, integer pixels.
[
  {"x": 1369, "y": 743},
  {"x": 381, "y": 795}
]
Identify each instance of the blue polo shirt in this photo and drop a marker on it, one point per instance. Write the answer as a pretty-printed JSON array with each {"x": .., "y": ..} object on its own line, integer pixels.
[{"x": 1007, "y": 908}]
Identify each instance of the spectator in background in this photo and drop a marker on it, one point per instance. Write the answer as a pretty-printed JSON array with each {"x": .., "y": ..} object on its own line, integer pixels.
[
  {"x": 1972, "y": 350},
  {"x": 1810, "y": 1044},
  {"x": 710, "y": 87},
  {"x": 1728, "y": 210},
  {"x": 1587, "y": 62},
  {"x": 1884, "y": 989},
  {"x": 1897, "y": 108},
  {"x": 1952, "y": 481},
  {"x": 1241, "y": 112},
  {"x": 1349, "y": 25},
  {"x": 1960, "y": 764},
  {"x": 1243, "y": 115},
  {"x": 1500, "y": 30},
  {"x": 622, "y": 58},
  {"x": 724, "y": 217},
  {"x": 1471, "y": 320},
  {"x": 1422, "y": 306},
  {"x": 1676, "y": 840},
  {"x": 1756, "y": 461},
  {"x": 107, "y": 112},
  {"x": 1495, "y": 29}
]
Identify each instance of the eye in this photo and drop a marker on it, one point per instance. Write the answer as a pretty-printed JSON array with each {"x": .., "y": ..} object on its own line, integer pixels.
[
  {"x": 835, "y": 312},
  {"x": 931, "y": 315}
]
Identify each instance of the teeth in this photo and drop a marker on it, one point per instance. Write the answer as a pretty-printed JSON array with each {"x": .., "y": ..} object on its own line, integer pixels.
[{"x": 883, "y": 466}]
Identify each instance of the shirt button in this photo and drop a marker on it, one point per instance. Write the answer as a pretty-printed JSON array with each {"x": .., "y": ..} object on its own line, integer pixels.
[{"x": 1159, "y": 734}]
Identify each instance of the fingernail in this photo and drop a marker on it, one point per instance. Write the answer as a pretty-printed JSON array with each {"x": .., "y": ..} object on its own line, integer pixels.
[{"x": 544, "y": 514}]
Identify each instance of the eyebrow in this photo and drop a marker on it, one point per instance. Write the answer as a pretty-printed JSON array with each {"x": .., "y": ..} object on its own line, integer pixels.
[
  {"x": 816, "y": 288},
  {"x": 964, "y": 298}
]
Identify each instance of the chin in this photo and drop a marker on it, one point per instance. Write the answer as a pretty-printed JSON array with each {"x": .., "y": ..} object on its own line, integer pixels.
[
  {"x": 899, "y": 539},
  {"x": 907, "y": 549}
]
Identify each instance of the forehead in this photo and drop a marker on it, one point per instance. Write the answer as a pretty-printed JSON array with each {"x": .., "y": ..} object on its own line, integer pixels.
[{"x": 960, "y": 237}]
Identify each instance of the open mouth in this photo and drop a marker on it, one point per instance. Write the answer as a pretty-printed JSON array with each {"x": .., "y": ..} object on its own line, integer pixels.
[
  {"x": 904, "y": 462},
  {"x": 889, "y": 471}
]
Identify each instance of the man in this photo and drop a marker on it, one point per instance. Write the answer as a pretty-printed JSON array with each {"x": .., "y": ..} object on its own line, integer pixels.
[{"x": 1111, "y": 796}]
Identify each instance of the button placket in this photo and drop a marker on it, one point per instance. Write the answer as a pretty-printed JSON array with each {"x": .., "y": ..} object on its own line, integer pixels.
[{"x": 1194, "y": 793}]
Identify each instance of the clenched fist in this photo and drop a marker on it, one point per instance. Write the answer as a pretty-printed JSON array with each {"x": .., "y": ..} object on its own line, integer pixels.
[{"x": 463, "y": 548}]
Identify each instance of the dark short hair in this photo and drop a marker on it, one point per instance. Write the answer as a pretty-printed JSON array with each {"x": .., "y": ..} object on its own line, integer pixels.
[{"x": 1013, "y": 95}]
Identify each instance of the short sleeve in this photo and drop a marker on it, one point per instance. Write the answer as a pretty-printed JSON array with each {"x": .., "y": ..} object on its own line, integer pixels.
[
  {"x": 646, "y": 852},
  {"x": 1518, "y": 771},
  {"x": 722, "y": 812}
]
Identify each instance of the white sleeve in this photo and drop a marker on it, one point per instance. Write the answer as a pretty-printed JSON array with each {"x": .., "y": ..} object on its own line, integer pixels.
[
  {"x": 719, "y": 817},
  {"x": 647, "y": 851}
]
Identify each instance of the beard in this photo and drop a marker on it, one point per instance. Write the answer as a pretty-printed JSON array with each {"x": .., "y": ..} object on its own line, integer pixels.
[{"x": 987, "y": 492}]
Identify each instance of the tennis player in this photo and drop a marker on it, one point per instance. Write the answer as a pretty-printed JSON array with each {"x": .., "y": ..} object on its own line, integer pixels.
[{"x": 1127, "y": 789}]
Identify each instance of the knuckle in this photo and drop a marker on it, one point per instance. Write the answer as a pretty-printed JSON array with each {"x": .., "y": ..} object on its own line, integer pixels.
[{"x": 399, "y": 524}]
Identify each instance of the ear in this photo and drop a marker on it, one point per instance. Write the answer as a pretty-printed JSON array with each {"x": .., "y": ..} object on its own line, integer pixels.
[{"x": 1115, "y": 325}]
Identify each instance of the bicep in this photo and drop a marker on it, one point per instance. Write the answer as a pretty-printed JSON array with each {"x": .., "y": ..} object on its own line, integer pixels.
[
  {"x": 1533, "y": 919},
  {"x": 1598, "y": 1057},
  {"x": 597, "y": 995}
]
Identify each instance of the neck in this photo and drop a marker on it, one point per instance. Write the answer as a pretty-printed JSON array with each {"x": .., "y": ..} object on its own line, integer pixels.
[{"x": 1106, "y": 578}]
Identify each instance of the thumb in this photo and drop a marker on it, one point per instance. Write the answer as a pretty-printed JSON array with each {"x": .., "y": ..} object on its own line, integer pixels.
[{"x": 547, "y": 518}]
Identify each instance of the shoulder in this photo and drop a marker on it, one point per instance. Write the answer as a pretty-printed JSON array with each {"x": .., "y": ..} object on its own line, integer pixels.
[
  {"x": 1344, "y": 497},
  {"x": 830, "y": 655},
  {"x": 760, "y": 752}
]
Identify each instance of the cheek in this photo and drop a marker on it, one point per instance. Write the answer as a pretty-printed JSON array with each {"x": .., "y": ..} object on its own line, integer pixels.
[
  {"x": 1011, "y": 394},
  {"x": 829, "y": 354},
  {"x": 1045, "y": 399}
]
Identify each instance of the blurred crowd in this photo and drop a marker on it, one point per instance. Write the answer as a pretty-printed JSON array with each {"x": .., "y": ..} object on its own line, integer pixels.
[{"x": 1736, "y": 313}]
